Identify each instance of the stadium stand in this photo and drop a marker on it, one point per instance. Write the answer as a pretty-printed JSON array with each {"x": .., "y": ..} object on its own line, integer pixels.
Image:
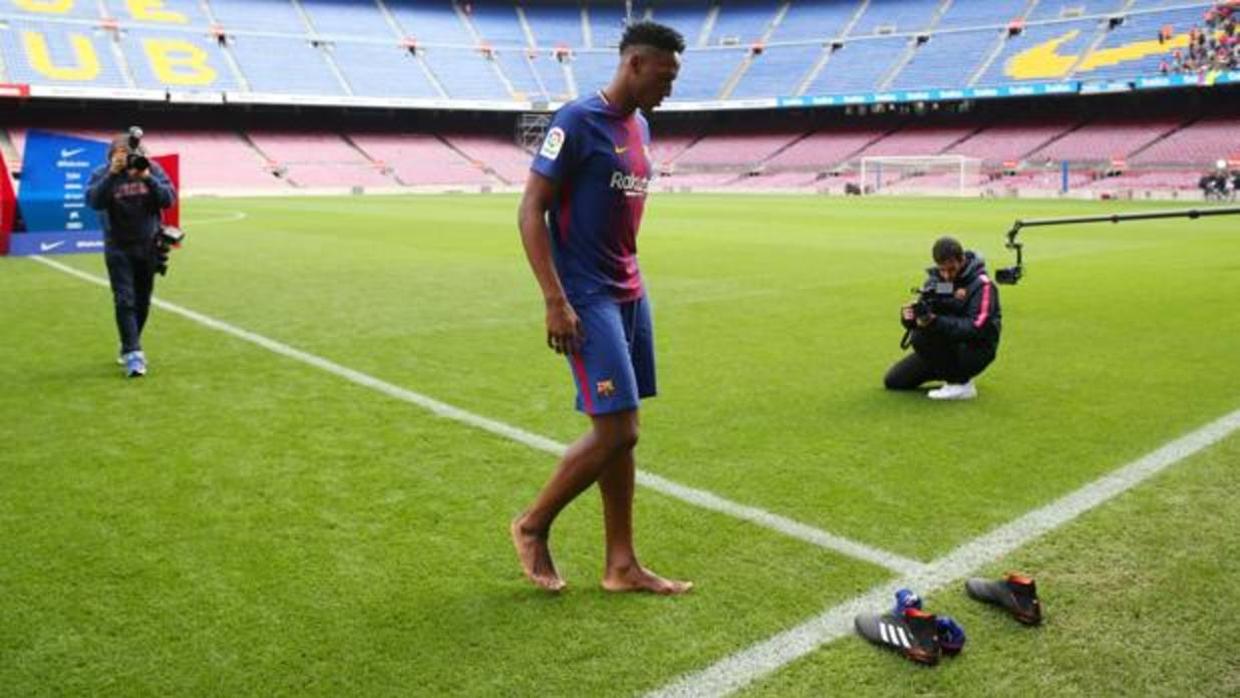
[
  {"x": 1199, "y": 142},
  {"x": 742, "y": 53},
  {"x": 419, "y": 159},
  {"x": 555, "y": 24},
  {"x": 892, "y": 16},
  {"x": 744, "y": 22},
  {"x": 778, "y": 70},
  {"x": 936, "y": 63},
  {"x": 325, "y": 48},
  {"x": 76, "y": 55},
  {"x": 1106, "y": 139},
  {"x": 383, "y": 71}
]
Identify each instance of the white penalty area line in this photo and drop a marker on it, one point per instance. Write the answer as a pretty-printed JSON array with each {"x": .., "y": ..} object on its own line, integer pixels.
[
  {"x": 232, "y": 217},
  {"x": 739, "y": 670},
  {"x": 689, "y": 495}
]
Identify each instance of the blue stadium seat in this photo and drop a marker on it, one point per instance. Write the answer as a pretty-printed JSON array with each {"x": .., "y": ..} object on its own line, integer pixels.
[
  {"x": 858, "y": 66},
  {"x": 345, "y": 18},
  {"x": 904, "y": 15},
  {"x": 1139, "y": 28},
  {"x": 778, "y": 71},
  {"x": 703, "y": 73},
  {"x": 376, "y": 70},
  {"x": 161, "y": 59},
  {"x": 1059, "y": 9},
  {"x": 170, "y": 13},
  {"x": 1085, "y": 32},
  {"x": 990, "y": 13},
  {"x": 75, "y": 10},
  {"x": 685, "y": 16},
  {"x": 94, "y": 66},
  {"x": 606, "y": 22},
  {"x": 497, "y": 22},
  {"x": 743, "y": 22},
  {"x": 520, "y": 73},
  {"x": 593, "y": 69},
  {"x": 269, "y": 15},
  {"x": 555, "y": 23},
  {"x": 551, "y": 72},
  {"x": 284, "y": 66},
  {"x": 465, "y": 74},
  {"x": 812, "y": 20},
  {"x": 430, "y": 22},
  {"x": 948, "y": 59}
]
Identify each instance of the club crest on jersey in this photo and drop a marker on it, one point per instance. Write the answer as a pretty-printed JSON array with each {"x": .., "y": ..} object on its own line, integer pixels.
[
  {"x": 552, "y": 143},
  {"x": 605, "y": 388}
]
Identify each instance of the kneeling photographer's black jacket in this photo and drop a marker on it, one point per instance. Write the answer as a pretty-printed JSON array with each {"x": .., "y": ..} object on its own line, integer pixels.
[
  {"x": 972, "y": 313},
  {"x": 129, "y": 206}
]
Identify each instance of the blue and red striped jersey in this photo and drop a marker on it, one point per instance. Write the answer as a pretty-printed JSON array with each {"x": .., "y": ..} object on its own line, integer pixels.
[{"x": 599, "y": 159}]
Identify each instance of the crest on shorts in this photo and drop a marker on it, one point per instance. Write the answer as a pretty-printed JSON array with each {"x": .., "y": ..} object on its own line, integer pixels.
[{"x": 605, "y": 388}]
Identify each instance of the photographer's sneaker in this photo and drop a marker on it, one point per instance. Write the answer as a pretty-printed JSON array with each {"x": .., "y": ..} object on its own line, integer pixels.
[
  {"x": 135, "y": 364},
  {"x": 954, "y": 391}
]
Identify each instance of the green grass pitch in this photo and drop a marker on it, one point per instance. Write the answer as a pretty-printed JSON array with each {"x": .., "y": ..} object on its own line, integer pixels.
[{"x": 238, "y": 523}]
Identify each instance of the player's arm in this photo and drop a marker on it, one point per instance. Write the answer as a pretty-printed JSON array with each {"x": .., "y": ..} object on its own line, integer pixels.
[{"x": 563, "y": 326}]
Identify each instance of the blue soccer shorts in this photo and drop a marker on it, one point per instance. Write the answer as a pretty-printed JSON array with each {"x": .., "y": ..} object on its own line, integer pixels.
[{"x": 614, "y": 369}]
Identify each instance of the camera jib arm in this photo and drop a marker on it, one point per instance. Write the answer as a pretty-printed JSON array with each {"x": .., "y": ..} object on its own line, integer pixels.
[{"x": 1011, "y": 275}]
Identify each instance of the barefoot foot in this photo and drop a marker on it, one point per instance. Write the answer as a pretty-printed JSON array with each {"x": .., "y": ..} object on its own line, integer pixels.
[
  {"x": 638, "y": 578},
  {"x": 535, "y": 557}
]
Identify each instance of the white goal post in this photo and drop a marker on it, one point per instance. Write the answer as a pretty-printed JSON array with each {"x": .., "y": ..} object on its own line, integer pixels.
[{"x": 937, "y": 174}]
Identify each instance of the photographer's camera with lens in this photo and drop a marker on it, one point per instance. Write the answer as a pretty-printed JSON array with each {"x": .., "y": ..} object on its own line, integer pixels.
[
  {"x": 930, "y": 295},
  {"x": 136, "y": 160},
  {"x": 931, "y": 298},
  {"x": 167, "y": 238}
]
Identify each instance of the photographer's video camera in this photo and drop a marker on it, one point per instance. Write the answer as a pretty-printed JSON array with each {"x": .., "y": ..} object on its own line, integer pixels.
[
  {"x": 136, "y": 160},
  {"x": 167, "y": 238},
  {"x": 930, "y": 296}
]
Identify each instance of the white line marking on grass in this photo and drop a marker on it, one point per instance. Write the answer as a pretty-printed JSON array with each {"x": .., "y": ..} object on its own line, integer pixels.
[
  {"x": 739, "y": 670},
  {"x": 696, "y": 497},
  {"x": 231, "y": 218}
]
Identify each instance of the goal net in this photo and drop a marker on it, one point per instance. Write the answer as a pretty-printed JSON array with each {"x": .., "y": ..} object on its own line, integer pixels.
[{"x": 925, "y": 174}]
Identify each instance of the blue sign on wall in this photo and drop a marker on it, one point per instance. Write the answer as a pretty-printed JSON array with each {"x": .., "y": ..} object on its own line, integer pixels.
[{"x": 55, "y": 169}]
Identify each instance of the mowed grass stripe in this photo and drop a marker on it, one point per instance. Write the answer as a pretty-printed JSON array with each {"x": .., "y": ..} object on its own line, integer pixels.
[
  {"x": 689, "y": 495},
  {"x": 741, "y": 669},
  {"x": 238, "y": 524}
]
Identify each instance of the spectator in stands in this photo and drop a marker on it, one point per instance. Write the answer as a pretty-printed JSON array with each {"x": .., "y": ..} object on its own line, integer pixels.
[
  {"x": 590, "y": 179},
  {"x": 129, "y": 194},
  {"x": 954, "y": 329}
]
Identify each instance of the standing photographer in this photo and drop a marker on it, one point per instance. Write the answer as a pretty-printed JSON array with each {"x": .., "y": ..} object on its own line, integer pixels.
[
  {"x": 129, "y": 192},
  {"x": 953, "y": 327}
]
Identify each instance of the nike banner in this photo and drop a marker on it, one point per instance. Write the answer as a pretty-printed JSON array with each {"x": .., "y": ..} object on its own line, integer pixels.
[{"x": 55, "y": 170}]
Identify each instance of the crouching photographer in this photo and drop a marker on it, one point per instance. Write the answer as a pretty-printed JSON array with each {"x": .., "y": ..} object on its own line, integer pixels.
[
  {"x": 953, "y": 326},
  {"x": 129, "y": 192}
]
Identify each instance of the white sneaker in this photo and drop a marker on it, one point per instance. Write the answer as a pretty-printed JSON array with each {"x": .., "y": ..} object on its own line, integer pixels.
[{"x": 954, "y": 391}]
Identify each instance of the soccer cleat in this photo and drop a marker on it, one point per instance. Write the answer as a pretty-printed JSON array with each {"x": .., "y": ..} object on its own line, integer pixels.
[
  {"x": 911, "y": 633},
  {"x": 951, "y": 635},
  {"x": 1015, "y": 593},
  {"x": 954, "y": 391},
  {"x": 135, "y": 364},
  {"x": 906, "y": 598}
]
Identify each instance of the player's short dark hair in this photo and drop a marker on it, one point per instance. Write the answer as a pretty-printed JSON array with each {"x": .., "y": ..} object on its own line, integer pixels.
[
  {"x": 945, "y": 248},
  {"x": 654, "y": 35}
]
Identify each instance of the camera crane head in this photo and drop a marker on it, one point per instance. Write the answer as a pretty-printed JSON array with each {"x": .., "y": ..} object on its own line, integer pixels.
[{"x": 1013, "y": 274}]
